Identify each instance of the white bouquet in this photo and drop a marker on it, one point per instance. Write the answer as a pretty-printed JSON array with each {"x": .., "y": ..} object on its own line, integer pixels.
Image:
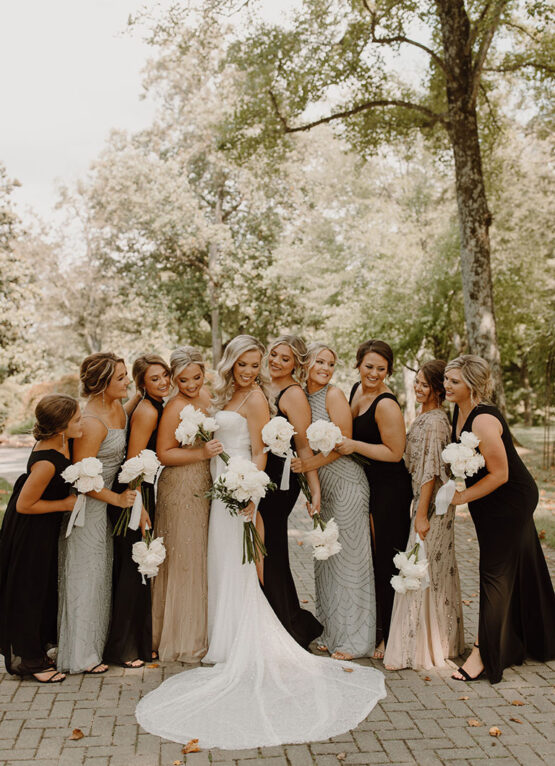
[
  {"x": 323, "y": 436},
  {"x": 85, "y": 476},
  {"x": 277, "y": 435},
  {"x": 193, "y": 425},
  {"x": 142, "y": 467},
  {"x": 148, "y": 554},
  {"x": 236, "y": 487},
  {"x": 413, "y": 569},
  {"x": 324, "y": 538},
  {"x": 464, "y": 460}
]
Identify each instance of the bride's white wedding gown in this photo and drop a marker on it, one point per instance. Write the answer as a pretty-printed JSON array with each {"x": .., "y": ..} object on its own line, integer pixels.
[{"x": 264, "y": 688}]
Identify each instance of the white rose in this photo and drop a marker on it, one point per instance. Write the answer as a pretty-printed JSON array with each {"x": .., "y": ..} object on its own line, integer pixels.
[
  {"x": 469, "y": 439},
  {"x": 89, "y": 484},
  {"x": 323, "y": 436},
  {"x": 400, "y": 560},
  {"x": 331, "y": 532},
  {"x": 474, "y": 464},
  {"x": 151, "y": 464},
  {"x": 190, "y": 414},
  {"x": 131, "y": 469},
  {"x": 210, "y": 425},
  {"x": 71, "y": 474},
  {"x": 90, "y": 466},
  {"x": 413, "y": 583},
  {"x": 185, "y": 432},
  {"x": 398, "y": 583}
]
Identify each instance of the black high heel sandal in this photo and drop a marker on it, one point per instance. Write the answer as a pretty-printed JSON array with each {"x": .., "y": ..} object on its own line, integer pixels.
[{"x": 467, "y": 678}]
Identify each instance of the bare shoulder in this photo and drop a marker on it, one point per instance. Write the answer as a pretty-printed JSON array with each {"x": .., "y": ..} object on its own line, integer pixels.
[
  {"x": 93, "y": 427},
  {"x": 205, "y": 398},
  {"x": 173, "y": 407},
  {"x": 145, "y": 414},
  {"x": 294, "y": 395},
  {"x": 336, "y": 396},
  {"x": 257, "y": 404},
  {"x": 43, "y": 469},
  {"x": 388, "y": 406},
  {"x": 486, "y": 425}
]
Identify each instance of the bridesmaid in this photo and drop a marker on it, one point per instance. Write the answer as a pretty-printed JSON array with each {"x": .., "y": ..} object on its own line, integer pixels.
[
  {"x": 179, "y": 592},
  {"x": 345, "y": 598},
  {"x": 427, "y": 625},
  {"x": 130, "y": 638},
  {"x": 287, "y": 366},
  {"x": 379, "y": 434},
  {"x": 85, "y": 568},
  {"x": 29, "y": 544},
  {"x": 517, "y": 602}
]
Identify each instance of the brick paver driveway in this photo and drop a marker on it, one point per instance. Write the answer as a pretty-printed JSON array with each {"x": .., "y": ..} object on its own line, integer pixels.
[{"x": 424, "y": 719}]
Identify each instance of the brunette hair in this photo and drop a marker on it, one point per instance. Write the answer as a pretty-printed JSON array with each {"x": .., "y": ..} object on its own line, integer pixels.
[
  {"x": 433, "y": 372},
  {"x": 476, "y": 373},
  {"x": 378, "y": 347},
  {"x": 53, "y": 413},
  {"x": 97, "y": 371},
  {"x": 141, "y": 365},
  {"x": 299, "y": 351}
]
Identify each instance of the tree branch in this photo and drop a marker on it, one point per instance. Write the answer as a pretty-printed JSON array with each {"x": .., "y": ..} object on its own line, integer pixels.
[
  {"x": 432, "y": 116},
  {"x": 522, "y": 65},
  {"x": 484, "y": 49},
  {"x": 400, "y": 39}
]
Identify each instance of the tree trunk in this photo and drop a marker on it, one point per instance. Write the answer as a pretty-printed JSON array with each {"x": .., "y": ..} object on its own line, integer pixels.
[
  {"x": 410, "y": 399},
  {"x": 213, "y": 296},
  {"x": 526, "y": 391},
  {"x": 473, "y": 212}
]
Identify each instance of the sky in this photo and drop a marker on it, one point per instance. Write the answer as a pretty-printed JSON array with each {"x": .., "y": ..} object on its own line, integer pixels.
[{"x": 69, "y": 73}]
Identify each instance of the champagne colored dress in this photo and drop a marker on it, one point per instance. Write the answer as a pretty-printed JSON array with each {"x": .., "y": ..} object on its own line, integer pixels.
[
  {"x": 180, "y": 590},
  {"x": 427, "y": 625}
]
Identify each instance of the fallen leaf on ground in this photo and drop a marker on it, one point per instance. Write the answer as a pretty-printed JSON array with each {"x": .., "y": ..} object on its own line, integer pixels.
[
  {"x": 517, "y": 703},
  {"x": 304, "y": 601},
  {"x": 495, "y": 731},
  {"x": 516, "y": 720},
  {"x": 467, "y": 601},
  {"x": 300, "y": 542},
  {"x": 464, "y": 698},
  {"x": 347, "y": 670},
  {"x": 474, "y": 594},
  {"x": 177, "y": 763},
  {"x": 191, "y": 747},
  {"x": 474, "y": 722},
  {"x": 77, "y": 734},
  {"x": 153, "y": 665},
  {"x": 341, "y": 756},
  {"x": 427, "y": 678},
  {"x": 541, "y": 534}
]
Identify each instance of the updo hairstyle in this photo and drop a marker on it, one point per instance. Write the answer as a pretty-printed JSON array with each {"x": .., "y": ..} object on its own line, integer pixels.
[
  {"x": 181, "y": 358},
  {"x": 476, "y": 373},
  {"x": 96, "y": 372},
  {"x": 433, "y": 372},
  {"x": 53, "y": 413},
  {"x": 299, "y": 351},
  {"x": 140, "y": 367},
  {"x": 312, "y": 353},
  {"x": 378, "y": 347}
]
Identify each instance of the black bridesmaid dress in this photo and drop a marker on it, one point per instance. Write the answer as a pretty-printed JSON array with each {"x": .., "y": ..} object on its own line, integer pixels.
[
  {"x": 130, "y": 635},
  {"x": 279, "y": 587},
  {"x": 390, "y": 501},
  {"x": 517, "y": 602},
  {"x": 29, "y": 575}
]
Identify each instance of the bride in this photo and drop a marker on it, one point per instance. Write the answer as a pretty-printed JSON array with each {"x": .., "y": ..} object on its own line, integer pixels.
[{"x": 264, "y": 689}]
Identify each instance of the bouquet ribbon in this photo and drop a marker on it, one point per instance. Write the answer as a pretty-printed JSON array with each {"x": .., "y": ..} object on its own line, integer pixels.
[
  {"x": 444, "y": 497},
  {"x": 77, "y": 517},
  {"x": 286, "y": 471},
  {"x": 136, "y": 510}
]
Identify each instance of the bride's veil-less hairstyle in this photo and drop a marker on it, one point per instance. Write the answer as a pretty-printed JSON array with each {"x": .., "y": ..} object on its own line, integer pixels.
[
  {"x": 476, "y": 373},
  {"x": 225, "y": 383},
  {"x": 182, "y": 357},
  {"x": 314, "y": 349},
  {"x": 96, "y": 372},
  {"x": 299, "y": 351}
]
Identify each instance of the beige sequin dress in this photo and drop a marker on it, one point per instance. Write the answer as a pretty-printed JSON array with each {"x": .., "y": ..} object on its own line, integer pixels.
[
  {"x": 179, "y": 593},
  {"x": 427, "y": 625}
]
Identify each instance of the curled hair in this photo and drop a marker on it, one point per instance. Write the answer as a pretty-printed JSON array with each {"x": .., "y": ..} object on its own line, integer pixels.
[
  {"x": 141, "y": 365},
  {"x": 53, "y": 412},
  {"x": 312, "y": 352},
  {"x": 299, "y": 351},
  {"x": 378, "y": 347},
  {"x": 225, "y": 384},
  {"x": 97, "y": 371},
  {"x": 181, "y": 358},
  {"x": 476, "y": 373},
  {"x": 433, "y": 372}
]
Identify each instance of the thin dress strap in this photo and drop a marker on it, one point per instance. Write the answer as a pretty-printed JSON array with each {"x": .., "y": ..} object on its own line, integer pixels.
[
  {"x": 96, "y": 417},
  {"x": 245, "y": 399}
]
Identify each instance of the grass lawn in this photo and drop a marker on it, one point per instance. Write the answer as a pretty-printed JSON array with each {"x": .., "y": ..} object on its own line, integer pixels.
[
  {"x": 531, "y": 440},
  {"x": 5, "y": 492}
]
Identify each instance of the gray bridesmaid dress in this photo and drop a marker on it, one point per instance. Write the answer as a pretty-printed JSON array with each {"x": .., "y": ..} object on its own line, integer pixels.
[
  {"x": 345, "y": 597},
  {"x": 85, "y": 571}
]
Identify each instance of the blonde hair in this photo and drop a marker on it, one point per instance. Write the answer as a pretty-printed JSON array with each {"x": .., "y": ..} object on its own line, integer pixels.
[
  {"x": 181, "y": 358},
  {"x": 141, "y": 365},
  {"x": 53, "y": 413},
  {"x": 97, "y": 371},
  {"x": 299, "y": 351},
  {"x": 224, "y": 384},
  {"x": 476, "y": 373},
  {"x": 313, "y": 351}
]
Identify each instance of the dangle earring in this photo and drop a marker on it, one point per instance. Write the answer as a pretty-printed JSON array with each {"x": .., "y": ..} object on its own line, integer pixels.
[
  {"x": 103, "y": 398},
  {"x": 144, "y": 393},
  {"x": 63, "y": 439}
]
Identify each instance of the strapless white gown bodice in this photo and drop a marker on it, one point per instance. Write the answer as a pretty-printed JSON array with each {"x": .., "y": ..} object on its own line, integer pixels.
[{"x": 263, "y": 689}]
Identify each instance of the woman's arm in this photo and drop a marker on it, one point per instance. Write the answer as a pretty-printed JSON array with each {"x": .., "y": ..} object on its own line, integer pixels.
[
  {"x": 489, "y": 430},
  {"x": 143, "y": 423},
  {"x": 87, "y": 446},
  {"x": 391, "y": 425},
  {"x": 257, "y": 413},
  {"x": 167, "y": 447},
  {"x": 29, "y": 500},
  {"x": 131, "y": 403},
  {"x": 295, "y": 405},
  {"x": 421, "y": 523},
  {"x": 340, "y": 414}
]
